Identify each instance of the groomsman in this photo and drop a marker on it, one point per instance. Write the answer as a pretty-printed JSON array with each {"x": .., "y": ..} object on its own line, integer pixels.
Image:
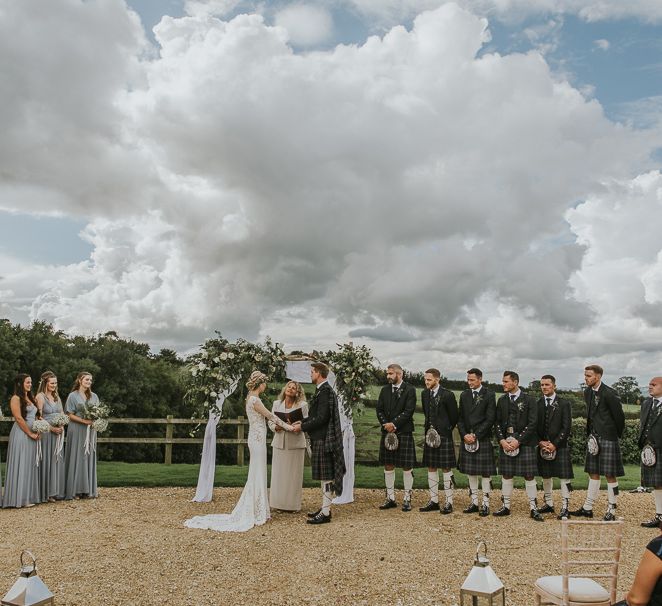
[
  {"x": 650, "y": 434},
  {"x": 322, "y": 425},
  {"x": 395, "y": 411},
  {"x": 440, "y": 408},
  {"x": 516, "y": 428},
  {"x": 605, "y": 423},
  {"x": 554, "y": 423},
  {"x": 475, "y": 424}
]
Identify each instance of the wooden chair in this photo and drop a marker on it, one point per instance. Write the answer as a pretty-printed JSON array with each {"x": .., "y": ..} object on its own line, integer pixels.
[{"x": 594, "y": 549}]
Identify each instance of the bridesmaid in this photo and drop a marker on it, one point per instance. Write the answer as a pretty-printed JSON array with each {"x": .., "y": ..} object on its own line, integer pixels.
[
  {"x": 288, "y": 451},
  {"x": 22, "y": 476},
  {"x": 80, "y": 467},
  {"x": 51, "y": 468}
]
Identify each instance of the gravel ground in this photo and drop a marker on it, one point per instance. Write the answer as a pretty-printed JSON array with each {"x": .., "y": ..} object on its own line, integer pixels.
[{"x": 129, "y": 546}]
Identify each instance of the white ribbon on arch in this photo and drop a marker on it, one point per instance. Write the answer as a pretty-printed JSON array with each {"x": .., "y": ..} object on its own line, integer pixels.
[{"x": 205, "y": 488}]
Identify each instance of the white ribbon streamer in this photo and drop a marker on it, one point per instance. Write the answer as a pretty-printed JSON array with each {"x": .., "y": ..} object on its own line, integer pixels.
[
  {"x": 90, "y": 440},
  {"x": 39, "y": 454},
  {"x": 59, "y": 446}
]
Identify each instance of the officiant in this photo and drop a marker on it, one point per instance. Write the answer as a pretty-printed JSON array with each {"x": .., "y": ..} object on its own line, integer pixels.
[{"x": 288, "y": 450}]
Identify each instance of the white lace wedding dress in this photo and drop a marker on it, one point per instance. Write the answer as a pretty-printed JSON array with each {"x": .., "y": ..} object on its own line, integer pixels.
[{"x": 252, "y": 509}]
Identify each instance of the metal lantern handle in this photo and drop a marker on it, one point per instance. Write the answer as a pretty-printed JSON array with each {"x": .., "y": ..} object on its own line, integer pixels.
[
  {"x": 484, "y": 544},
  {"x": 29, "y": 553}
]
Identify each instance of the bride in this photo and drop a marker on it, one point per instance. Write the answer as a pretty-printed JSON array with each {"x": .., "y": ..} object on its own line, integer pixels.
[{"x": 252, "y": 509}]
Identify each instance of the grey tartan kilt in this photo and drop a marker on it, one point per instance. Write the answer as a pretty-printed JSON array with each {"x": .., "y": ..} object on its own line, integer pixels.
[
  {"x": 321, "y": 462},
  {"x": 608, "y": 461},
  {"x": 480, "y": 463},
  {"x": 651, "y": 477},
  {"x": 442, "y": 457},
  {"x": 560, "y": 467},
  {"x": 525, "y": 464},
  {"x": 404, "y": 457}
]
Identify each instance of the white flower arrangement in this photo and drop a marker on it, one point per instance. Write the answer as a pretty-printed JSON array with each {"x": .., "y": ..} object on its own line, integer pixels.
[
  {"x": 354, "y": 371},
  {"x": 100, "y": 425},
  {"x": 59, "y": 420},
  {"x": 41, "y": 426}
]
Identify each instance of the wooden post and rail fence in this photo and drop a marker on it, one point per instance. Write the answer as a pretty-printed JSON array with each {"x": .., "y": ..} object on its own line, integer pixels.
[{"x": 168, "y": 439}]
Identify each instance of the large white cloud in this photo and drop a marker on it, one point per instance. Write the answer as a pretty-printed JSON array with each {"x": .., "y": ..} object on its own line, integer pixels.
[{"x": 405, "y": 189}]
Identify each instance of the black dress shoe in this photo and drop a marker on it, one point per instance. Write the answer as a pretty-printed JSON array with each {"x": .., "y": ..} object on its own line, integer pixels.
[
  {"x": 609, "y": 517},
  {"x": 320, "y": 518},
  {"x": 312, "y": 514},
  {"x": 582, "y": 513},
  {"x": 473, "y": 508},
  {"x": 484, "y": 511},
  {"x": 406, "y": 505},
  {"x": 504, "y": 511},
  {"x": 448, "y": 508},
  {"x": 537, "y": 516},
  {"x": 546, "y": 509},
  {"x": 564, "y": 514},
  {"x": 388, "y": 504},
  {"x": 653, "y": 522},
  {"x": 431, "y": 506}
]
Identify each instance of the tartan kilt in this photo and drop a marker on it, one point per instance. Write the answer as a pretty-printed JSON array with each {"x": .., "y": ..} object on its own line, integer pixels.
[
  {"x": 560, "y": 467},
  {"x": 608, "y": 461},
  {"x": 525, "y": 464},
  {"x": 442, "y": 457},
  {"x": 652, "y": 476},
  {"x": 480, "y": 463},
  {"x": 321, "y": 462},
  {"x": 404, "y": 457}
]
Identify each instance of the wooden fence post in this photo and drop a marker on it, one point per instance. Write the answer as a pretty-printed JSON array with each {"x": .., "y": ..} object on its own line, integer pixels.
[
  {"x": 168, "y": 444},
  {"x": 240, "y": 436}
]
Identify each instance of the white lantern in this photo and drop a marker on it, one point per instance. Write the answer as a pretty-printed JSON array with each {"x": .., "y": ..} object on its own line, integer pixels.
[
  {"x": 29, "y": 589},
  {"x": 482, "y": 587}
]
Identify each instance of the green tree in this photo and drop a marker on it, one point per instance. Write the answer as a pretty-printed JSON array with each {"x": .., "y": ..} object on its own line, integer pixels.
[{"x": 628, "y": 389}]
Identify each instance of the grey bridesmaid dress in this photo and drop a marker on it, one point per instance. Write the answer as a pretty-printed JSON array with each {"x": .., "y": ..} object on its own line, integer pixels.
[
  {"x": 80, "y": 468},
  {"x": 51, "y": 467},
  {"x": 22, "y": 474}
]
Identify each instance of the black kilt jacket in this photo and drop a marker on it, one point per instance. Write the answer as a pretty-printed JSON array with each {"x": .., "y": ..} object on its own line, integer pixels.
[
  {"x": 319, "y": 413},
  {"x": 440, "y": 412},
  {"x": 526, "y": 421},
  {"x": 560, "y": 422},
  {"x": 604, "y": 413},
  {"x": 654, "y": 434},
  {"x": 397, "y": 408},
  {"x": 477, "y": 418}
]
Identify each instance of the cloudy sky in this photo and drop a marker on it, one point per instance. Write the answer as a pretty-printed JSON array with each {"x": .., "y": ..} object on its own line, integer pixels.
[{"x": 452, "y": 183}]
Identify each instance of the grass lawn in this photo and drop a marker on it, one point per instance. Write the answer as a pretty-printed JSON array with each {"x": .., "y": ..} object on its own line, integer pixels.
[{"x": 158, "y": 474}]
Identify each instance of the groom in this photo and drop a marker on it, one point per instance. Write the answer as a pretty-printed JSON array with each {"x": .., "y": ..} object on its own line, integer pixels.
[{"x": 323, "y": 427}]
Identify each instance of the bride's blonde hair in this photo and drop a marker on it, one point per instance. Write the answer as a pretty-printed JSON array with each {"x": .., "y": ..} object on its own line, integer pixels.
[{"x": 256, "y": 379}]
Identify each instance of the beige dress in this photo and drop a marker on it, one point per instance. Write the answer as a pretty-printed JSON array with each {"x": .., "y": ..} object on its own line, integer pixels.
[{"x": 288, "y": 451}]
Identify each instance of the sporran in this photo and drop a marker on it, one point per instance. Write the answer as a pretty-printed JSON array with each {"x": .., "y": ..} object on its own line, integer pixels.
[
  {"x": 593, "y": 446},
  {"x": 548, "y": 455},
  {"x": 472, "y": 447},
  {"x": 648, "y": 456},
  {"x": 511, "y": 453},
  {"x": 432, "y": 438},
  {"x": 391, "y": 441}
]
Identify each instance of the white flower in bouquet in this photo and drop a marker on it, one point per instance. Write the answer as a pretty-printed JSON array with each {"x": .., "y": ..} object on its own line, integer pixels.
[
  {"x": 100, "y": 425},
  {"x": 224, "y": 356},
  {"x": 202, "y": 366},
  {"x": 60, "y": 420},
  {"x": 230, "y": 356},
  {"x": 41, "y": 426}
]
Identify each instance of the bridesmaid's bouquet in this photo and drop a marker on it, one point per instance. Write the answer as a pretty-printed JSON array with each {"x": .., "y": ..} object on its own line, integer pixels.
[
  {"x": 60, "y": 420},
  {"x": 98, "y": 414},
  {"x": 41, "y": 426}
]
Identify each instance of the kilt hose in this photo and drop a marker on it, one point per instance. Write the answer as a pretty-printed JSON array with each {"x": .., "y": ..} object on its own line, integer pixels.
[
  {"x": 608, "y": 461},
  {"x": 560, "y": 467},
  {"x": 442, "y": 457},
  {"x": 480, "y": 463},
  {"x": 321, "y": 462},
  {"x": 525, "y": 464},
  {"x": 651, "y": 477},
  {"x": 405, "y": 455}
]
